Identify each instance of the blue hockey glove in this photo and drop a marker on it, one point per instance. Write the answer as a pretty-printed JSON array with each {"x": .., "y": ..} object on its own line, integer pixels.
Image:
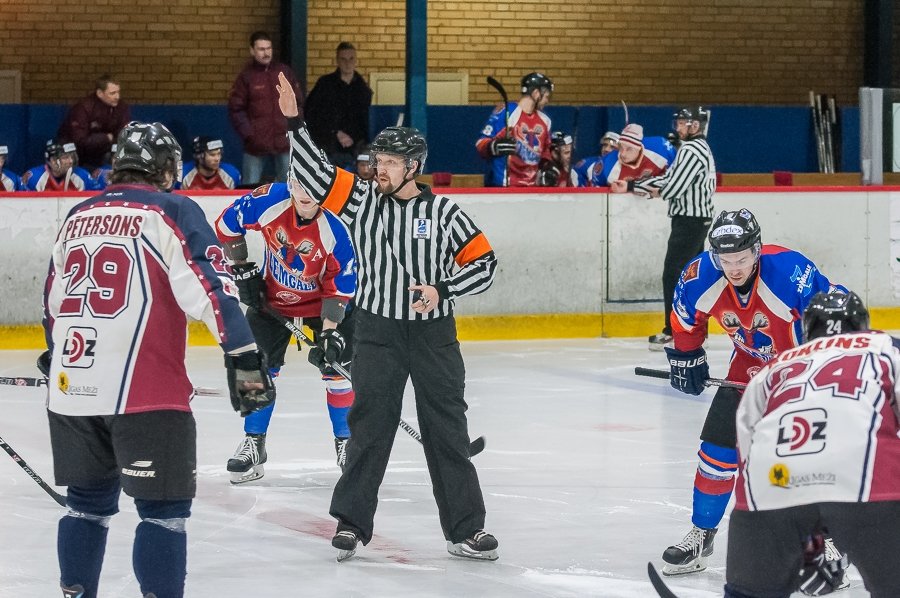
[{"x": 689, "y": 370}]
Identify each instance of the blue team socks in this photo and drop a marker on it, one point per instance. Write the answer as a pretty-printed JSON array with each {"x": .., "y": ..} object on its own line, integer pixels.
[
  {"x": 81, "y": 544},
  {"x": 713, "y": 484},
  {"x": 160, "y": 560},
  {"x": 258, "y": 421}
]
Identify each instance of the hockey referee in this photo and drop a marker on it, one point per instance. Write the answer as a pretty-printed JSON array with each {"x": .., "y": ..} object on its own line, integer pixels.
[
  {"x": 417, "y": 253},
  {"x": 688, "y": 185}
]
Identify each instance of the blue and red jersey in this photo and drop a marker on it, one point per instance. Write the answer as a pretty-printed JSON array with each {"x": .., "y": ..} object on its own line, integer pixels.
[
  {"x": 531, "y": 132},
  {"x": 305, "y": 261},
  {"x": 763, "y": 324}
]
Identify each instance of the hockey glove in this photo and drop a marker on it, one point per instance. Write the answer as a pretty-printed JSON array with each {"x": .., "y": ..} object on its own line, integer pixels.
[
  {"x": 689, "y": 370},
  {"x": 249, "y": 382},
  {"x": 328, "y": 350},
  {"x": 503, "y": 146},
  {"x": 822, "y": 577},
  {"x": 250, "y": 284},
  {"x": 43, "y": 363},
  {"x": 548, "y": 175}
]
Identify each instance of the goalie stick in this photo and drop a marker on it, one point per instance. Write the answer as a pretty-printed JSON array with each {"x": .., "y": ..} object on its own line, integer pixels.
[
  {"x": 475, "y": 447},
  {"x": 59, "y": 498},
  {"x": 666, "y": 375},
  {"x": 502, "y": 91}
]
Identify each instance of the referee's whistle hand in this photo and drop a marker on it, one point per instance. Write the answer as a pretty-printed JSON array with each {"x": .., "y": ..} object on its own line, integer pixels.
[
  {"x": 287, "y": 99},
  {"x": 429, "y": 298}
]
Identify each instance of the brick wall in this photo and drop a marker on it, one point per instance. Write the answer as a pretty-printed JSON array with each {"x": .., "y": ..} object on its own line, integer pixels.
[{"x": 596, "y": 51}]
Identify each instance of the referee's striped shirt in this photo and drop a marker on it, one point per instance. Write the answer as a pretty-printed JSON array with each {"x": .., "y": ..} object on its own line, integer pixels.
[
  {"x": 688, "y": 185},
  {"x": 424, "y": 240}
]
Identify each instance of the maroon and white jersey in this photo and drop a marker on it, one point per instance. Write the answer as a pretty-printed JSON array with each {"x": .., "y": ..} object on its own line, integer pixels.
[
  {"x": 128, "y": 268},
  {"x": 819, "y": 424}
]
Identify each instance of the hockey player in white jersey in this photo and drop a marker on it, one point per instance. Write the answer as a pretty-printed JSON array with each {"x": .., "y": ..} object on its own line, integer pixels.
[
  {"x": 818, "y": 449},
  {"x": 128, "y": 268}
]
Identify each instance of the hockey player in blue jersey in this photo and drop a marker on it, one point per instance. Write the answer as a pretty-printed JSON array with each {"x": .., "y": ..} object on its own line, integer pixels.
[
  {"x": 9, "y": 181},
  {"x": 636, "y": 157},
  {"x": 60, "y": 171},
  {"x": 758, "y": 294},
  {"x": 308, "y": 273}
]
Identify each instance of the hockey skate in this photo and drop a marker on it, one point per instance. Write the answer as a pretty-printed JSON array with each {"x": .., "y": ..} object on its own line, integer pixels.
[
  {"x": 689, "y": 555},
  {"x": 480, "y": 546},
  {"x": 247, "y": 463},
  {"x": 345, "y": 541},
  {"x": 833, "y": 554},
  {"x": 75, "y": 591},
  {"x": 340, "y": 449},
  {"x": 659, "y": 342}
]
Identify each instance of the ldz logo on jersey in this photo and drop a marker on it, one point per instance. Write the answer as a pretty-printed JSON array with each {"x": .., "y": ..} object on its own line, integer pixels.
[
  {"x": 78, "y": 348},
  {"x": 421, "y": 228},
  {"x": 801, "y": 432}
]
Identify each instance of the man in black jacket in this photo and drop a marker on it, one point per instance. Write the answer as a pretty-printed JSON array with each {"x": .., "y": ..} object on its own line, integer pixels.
[{"x": 337, "y": 110}]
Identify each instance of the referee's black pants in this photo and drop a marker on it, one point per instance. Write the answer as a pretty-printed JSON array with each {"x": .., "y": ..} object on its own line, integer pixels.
[
  {"x": 685, "y": 243},
  {"x": 386, "y": 353}
]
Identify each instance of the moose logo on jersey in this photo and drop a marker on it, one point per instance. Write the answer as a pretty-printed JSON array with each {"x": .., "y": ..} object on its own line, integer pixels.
[
  {"x": 530, "y": 146},
  {"x": 802, "y": 432},
  {"x": 750, "y": 339},
  {"x": 78, "y": 348},
  {"x": 297, "y": 256}
]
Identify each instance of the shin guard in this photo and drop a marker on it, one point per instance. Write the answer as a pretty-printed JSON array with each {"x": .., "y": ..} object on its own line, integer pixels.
[{"x": 713, "y": 484}]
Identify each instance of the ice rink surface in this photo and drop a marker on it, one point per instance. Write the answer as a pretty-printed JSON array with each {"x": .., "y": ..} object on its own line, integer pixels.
[{"x": 587, "y": 475}]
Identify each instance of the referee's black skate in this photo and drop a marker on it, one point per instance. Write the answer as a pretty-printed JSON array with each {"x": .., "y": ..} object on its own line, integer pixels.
[
  {"x": 345, "y": 541},
  {"x": 689, "y": 555},
  {"x": 247, "y": 463},
  {"x": 76, "y": 591},
  {"x": 340, "y": 449},
  {"x": 480, "y": 546}
]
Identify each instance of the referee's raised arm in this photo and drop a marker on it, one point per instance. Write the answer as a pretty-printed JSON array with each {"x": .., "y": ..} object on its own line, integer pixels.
[{"x": 332, "y": 187}]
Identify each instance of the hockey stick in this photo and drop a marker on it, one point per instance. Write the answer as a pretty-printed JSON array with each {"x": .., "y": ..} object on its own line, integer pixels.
[
  {"x": 817, "y": 128},
  {"x": 59, "y": 498},
  {"x": 475, "y": 447},
  {"x": 499, "y": 87},
  {"x": 200, "y": 391},
  {"x": 665, "y": 375},
  {"x": 658, "y": 584}
]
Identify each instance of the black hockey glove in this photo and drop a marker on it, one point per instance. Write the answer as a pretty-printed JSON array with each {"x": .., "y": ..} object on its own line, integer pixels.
[
  {"x": 43, "y": 363},
  {"x": 328, "y": 350},
  {"x": 503, "y": 146},
  {"x": 548, "y": 176},
  {"x": 245, "y": 369},
  {"x": 821, "y": 576},
  {"x": 250, "y": 284},
  {"x": 689, "y": 370}
]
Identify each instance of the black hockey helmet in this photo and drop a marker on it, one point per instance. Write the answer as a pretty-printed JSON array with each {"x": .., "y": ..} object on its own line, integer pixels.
[
  {"x": 149, "y": 148},
  {"x": 204, "y": 143},
  {"x": 400, "y": 141},
  {"x": 697, "y": 113},
  {"x": 56, "y": 149},
  {"x": 560, "y": 139},
  {"x": 834, "y": 313},
  {"x": 733, "y": 232},
  {"x": 533, "y": 81}
]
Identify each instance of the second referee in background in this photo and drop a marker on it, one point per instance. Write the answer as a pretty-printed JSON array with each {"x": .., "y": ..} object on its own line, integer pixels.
[
  {"x": 688, "y": 185},
  {"x": 407, "y": 241}
]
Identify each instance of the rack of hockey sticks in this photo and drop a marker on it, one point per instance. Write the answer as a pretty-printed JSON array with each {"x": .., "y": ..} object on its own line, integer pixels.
[
  {"x": 826, "y": 127},
  {"x": 666, "y": 375},
  {"x": 475, "y": 447}
]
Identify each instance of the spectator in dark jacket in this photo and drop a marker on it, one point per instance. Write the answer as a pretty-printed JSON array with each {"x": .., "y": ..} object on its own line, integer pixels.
[
  {"x": 254, "y": 113},
  {"x": 337, "y": 110},
  {"x": 94, "y": 122}
]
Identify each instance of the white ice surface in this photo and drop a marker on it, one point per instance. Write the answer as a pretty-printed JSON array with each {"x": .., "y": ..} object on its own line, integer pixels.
[{"x": 587, "y": 476}]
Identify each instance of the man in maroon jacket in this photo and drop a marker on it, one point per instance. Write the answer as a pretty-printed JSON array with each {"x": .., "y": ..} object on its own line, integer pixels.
[
  {"x": 254, "y": 112},
  {"x": 94, "y": 122}
]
